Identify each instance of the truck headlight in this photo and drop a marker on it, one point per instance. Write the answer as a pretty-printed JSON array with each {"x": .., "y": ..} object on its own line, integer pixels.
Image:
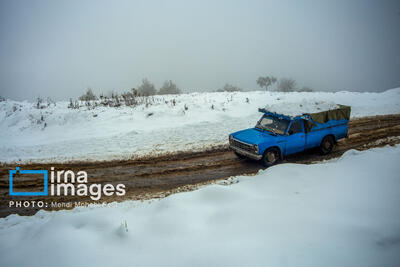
[
  {"x": 255, "y": 147},
  {"x": 230, "y": 139}
]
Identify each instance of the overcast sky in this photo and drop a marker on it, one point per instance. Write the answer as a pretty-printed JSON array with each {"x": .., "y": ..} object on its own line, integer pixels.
[{"x": 59, "y": 48}]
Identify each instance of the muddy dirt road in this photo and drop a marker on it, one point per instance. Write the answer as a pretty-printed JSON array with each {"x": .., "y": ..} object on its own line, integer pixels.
[{"x": 161, "y": 176}]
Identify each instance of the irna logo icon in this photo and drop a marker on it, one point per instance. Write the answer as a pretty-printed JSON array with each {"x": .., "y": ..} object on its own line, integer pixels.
[{"x": 17, "y": 170}]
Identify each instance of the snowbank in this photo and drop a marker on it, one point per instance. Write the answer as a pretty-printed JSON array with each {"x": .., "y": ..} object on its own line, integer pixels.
[
  {"x": 56, "y": 133},
  {"x": 340, "y": 213}
]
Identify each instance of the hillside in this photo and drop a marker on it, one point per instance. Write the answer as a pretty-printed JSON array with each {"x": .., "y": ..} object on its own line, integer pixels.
[{"x": 157, "y": 125}]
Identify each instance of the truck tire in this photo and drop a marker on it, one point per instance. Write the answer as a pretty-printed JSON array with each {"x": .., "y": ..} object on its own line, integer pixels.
[
  {"x": 327, "y": 145},
  {"x": 270, "y": 157}
]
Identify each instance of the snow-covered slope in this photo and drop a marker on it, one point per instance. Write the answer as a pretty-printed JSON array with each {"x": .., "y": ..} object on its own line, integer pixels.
[
  {"x": 57, "y": 133},
  {"x": 340, "y": 213}
]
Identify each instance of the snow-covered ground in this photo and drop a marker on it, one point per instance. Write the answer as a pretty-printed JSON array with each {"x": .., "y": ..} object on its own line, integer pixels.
[
  {"x": 344, "y": 212},
  {"x": 57, "y": 133}
]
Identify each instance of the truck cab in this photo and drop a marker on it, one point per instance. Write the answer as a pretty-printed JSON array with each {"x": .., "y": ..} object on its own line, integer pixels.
[{"x": 276, "y": 135}]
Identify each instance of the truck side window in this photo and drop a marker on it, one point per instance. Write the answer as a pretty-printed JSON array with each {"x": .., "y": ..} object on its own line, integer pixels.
[{"x": 296, "y": 127}]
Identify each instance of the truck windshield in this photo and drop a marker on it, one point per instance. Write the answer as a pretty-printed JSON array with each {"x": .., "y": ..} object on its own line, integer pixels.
[{"x": 272, "y": 124}]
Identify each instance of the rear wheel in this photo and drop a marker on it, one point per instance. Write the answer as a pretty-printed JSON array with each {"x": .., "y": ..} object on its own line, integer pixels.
[
  {"x": 327, "y": 145},
  {"x": 270, "y": 157}
]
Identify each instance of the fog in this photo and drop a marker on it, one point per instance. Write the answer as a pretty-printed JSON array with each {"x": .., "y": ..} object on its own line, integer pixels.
[{"x": 59, "y": 48}]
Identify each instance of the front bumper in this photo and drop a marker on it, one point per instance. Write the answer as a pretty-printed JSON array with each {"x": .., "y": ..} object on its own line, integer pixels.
[{"x": 245, "y": 152}]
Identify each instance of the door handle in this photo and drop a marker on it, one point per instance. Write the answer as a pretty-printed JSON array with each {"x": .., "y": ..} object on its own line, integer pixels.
[{"x": 302, "y": 136}]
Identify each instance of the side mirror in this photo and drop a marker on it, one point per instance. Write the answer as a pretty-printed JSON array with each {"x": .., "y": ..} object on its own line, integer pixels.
[{"x": 290, "y": 132}]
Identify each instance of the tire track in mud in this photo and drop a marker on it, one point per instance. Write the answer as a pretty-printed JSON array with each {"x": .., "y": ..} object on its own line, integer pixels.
[{"x": 155, "y": 177}]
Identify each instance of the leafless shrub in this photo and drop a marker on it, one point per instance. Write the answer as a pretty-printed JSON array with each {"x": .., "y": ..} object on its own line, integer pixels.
[
  {"x": 229, "y": 88},
  {"x": 130, "y": 97},
  {"x": 39, "y": 103},
  {"x": 146, "y": 88},
  {"x": 15, "y": 108},
  {"x": 149, "y": 101},
  {"x": 266, "y": 81},
  {"x": 50, "y": 102},
  {"x": 88, "y": 96},
  {"x": 286, "y": 85},
  {"x": 73, "y": 105},
  {"x": 169, "y": 88}
]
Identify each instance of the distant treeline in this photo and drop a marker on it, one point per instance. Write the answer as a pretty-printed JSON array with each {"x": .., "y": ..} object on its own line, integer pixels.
[{"x": 147, "y": 88}]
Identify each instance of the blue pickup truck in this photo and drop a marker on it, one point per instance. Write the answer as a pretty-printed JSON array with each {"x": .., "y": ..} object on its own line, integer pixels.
[{"x": 276, "y": 135}]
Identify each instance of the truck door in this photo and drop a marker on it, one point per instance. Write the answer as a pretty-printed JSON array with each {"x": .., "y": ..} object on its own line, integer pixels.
[{"x": 296, "y": 139}]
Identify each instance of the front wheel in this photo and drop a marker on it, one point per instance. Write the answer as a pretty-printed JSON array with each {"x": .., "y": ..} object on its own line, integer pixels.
[
  {"x": 270, "y": 157},
  {"x": 327, "y": 145}
]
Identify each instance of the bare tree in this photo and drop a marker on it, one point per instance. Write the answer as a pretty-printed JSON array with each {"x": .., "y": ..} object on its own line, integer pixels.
[
  {"x": 266, "y": 81},
  {"x": 89, "y": 95},
  {"x": 286, "y": 85},
  {"x": 229, "y": 88},
  {"x": 146, "y": 88},
  {"x": 169, "y": 88}
]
